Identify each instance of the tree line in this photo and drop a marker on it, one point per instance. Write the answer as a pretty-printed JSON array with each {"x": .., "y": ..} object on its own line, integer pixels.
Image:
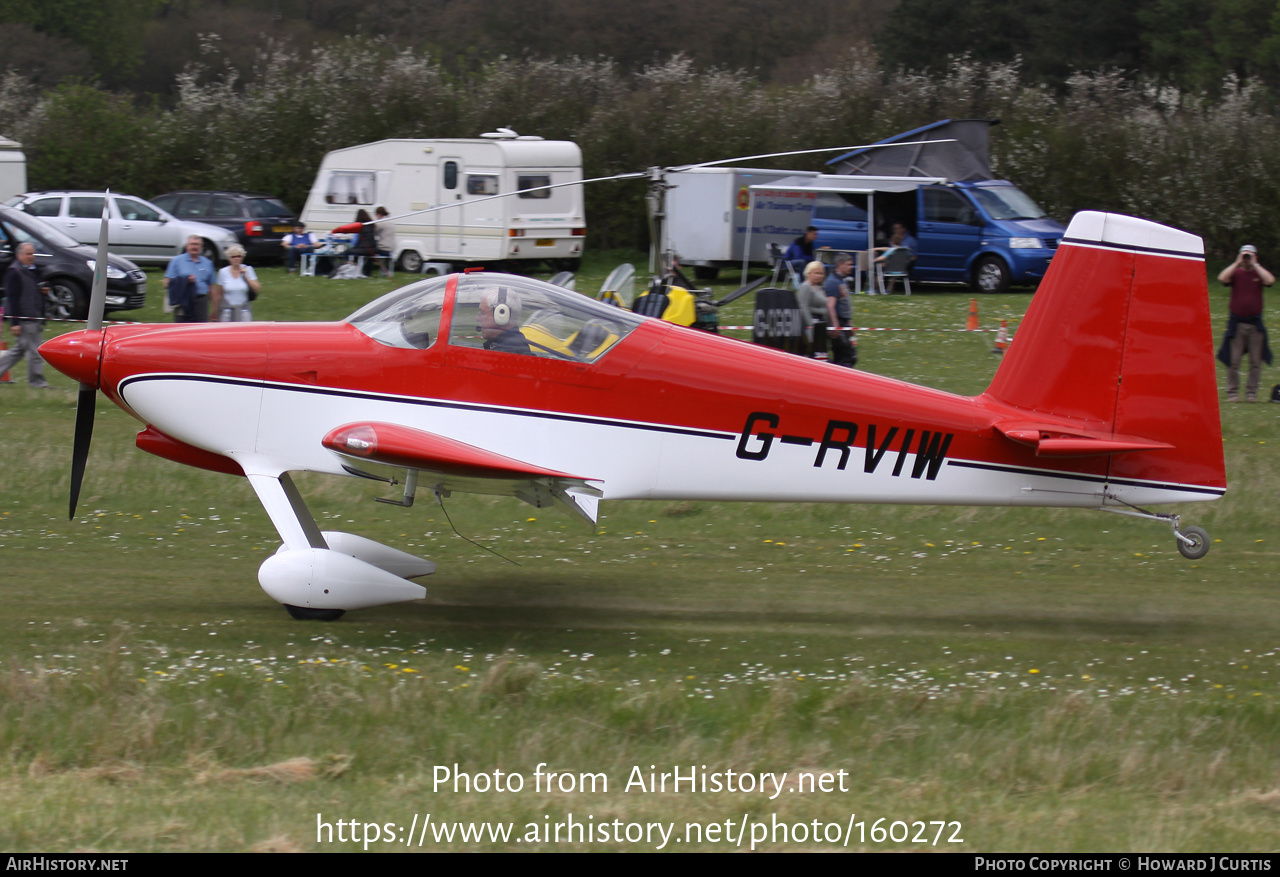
[
  {"x": 1201, "y": 159},
  {"x": 139, "y": 46}
]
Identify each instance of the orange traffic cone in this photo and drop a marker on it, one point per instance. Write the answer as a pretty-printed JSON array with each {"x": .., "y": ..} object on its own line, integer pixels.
[
  {"x": 972, "y": 325},
  {"x": 1002, "y": 338}
]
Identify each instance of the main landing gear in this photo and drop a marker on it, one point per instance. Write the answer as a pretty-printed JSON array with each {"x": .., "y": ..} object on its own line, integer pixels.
[
  {"x": 1192, "y": 542},
  {"x": 303, "y": 613},
  {"x": 319, "y": 575}
]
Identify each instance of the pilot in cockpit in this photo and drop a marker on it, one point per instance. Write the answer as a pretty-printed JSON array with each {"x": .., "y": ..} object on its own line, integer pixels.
[{"x": 499, "y": 322}]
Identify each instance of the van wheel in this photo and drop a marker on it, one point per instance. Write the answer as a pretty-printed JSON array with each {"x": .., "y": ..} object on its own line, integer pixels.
[
  {"x": 67, "y": 300},
  {"x": 410, "y": 262},
  {"x": 991, "y": 274},
  {"x": 709, "y": 273},
  {"x": 209, "y": 251}
]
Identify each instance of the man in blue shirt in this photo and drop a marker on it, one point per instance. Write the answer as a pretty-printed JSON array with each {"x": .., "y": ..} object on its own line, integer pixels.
[
  {"x": 840, "y": 313},
  {"x": 196, "y": 273},
  {"x": 904, "y": 238},
  {"x": 800, "y": 253},
  {"x": 297, "y": 245}
]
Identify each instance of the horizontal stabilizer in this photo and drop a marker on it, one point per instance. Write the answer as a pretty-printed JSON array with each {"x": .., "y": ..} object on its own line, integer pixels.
[{"x": 1052, "y": 440}]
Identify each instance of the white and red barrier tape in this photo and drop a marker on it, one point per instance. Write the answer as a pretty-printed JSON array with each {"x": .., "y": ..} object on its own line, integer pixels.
[{"x": 879, "y": 329}]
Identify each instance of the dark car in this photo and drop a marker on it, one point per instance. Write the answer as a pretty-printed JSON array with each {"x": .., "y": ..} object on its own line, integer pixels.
[
  {"x": 68, "y": 267},
  {"x": 259, "y": 221}
]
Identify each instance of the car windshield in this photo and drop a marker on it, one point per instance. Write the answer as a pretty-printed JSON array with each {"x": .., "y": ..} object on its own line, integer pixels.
[
  {"x": 37, "y": 230},
  {"x": 1007, "y": 202},
  {"x": 498, "y": 312}
]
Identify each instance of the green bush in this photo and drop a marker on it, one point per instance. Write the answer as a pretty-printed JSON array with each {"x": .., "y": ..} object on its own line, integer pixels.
[{"x": 1204, "y": 162}]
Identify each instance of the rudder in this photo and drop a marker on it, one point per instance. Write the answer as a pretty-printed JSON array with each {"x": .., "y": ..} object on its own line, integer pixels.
[{"x": 1118, "y": 341}]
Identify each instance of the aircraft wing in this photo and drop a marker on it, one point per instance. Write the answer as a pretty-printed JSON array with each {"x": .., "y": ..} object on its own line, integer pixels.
[{"x": 448, "y": 465}]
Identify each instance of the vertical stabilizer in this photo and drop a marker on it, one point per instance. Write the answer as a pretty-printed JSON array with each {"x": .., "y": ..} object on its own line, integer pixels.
[{"x": 1118, "y": 340}]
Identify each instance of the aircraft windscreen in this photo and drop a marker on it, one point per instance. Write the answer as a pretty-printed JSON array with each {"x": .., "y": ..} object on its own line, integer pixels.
[
  {"x": 408, "y": 317},
  {"x": 518, "y": 315}
]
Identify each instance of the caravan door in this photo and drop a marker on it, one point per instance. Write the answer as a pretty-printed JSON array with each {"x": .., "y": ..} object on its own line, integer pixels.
[{"x": 450, "y": 221}]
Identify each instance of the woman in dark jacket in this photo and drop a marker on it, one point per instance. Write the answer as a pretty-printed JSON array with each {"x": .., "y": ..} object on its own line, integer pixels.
[{"x": 365, "y": 243}]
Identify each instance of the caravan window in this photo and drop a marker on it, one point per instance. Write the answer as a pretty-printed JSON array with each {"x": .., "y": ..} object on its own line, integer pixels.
[
  {"x": 482, "y": 184},
  {"x": 451, "y": 175},
  {"x": 350, "y": 187},
  {"x": 533, "y": 181}
]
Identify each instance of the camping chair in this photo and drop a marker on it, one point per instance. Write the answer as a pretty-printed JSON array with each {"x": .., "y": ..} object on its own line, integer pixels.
[
  {"x": 895, "y": 265},
  {"x": 779, "y": 265}
]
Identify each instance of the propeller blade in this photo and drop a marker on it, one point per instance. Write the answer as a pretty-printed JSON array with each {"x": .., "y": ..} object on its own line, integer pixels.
[
  {"x": 98, "y": 296},
  {"x": 86, "y": 401},
  {"x": 743, "y": 290},
  {"x": 86, "y": 404}
]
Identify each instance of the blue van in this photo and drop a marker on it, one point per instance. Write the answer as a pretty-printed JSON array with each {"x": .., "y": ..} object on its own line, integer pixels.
[
  {"x": 987, "y": 233},
  {"x": 936, "y": 180}
]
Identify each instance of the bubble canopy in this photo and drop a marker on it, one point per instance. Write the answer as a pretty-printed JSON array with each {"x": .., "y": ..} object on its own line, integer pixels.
[{"x": 544, "y": 320}]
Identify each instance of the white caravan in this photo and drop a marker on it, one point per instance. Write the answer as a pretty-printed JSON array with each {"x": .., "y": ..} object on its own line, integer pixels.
[
  {"x": 459, "y": 175},
  {"x": 13, "y": 169}
]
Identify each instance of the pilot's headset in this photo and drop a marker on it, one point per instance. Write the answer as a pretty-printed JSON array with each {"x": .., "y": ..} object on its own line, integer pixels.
[
  {"x": 501, "y": 309},
  {"x": 506, "y": 309}
]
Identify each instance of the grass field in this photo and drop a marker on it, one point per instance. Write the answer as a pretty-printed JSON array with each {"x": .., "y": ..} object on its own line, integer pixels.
[{"x": 1049, "y": 680}]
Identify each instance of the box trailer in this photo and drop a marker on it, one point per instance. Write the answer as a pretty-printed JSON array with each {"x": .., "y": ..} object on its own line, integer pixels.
[
  {"x": 459, "y": 176},
  {"x": 712, "y": 218}
]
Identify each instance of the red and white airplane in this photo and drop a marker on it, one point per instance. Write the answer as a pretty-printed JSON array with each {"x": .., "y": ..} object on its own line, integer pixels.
[{"x": 498, "y": 384}]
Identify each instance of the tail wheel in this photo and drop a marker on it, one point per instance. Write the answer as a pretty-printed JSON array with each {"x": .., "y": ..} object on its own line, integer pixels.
[
  {"x": 1196, "y": 544},
  {"x": 991, "y": 274}
]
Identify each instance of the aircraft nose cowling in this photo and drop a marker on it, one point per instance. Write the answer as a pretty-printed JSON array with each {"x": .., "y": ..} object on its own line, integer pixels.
[{"x": 77, "y": 355}]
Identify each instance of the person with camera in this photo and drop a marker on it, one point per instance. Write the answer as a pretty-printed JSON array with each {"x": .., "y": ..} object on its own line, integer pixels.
[{"x": 1245, "y": 330}]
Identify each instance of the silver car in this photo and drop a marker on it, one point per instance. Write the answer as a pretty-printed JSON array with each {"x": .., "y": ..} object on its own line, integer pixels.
[{"x": 139, "y": 231}]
